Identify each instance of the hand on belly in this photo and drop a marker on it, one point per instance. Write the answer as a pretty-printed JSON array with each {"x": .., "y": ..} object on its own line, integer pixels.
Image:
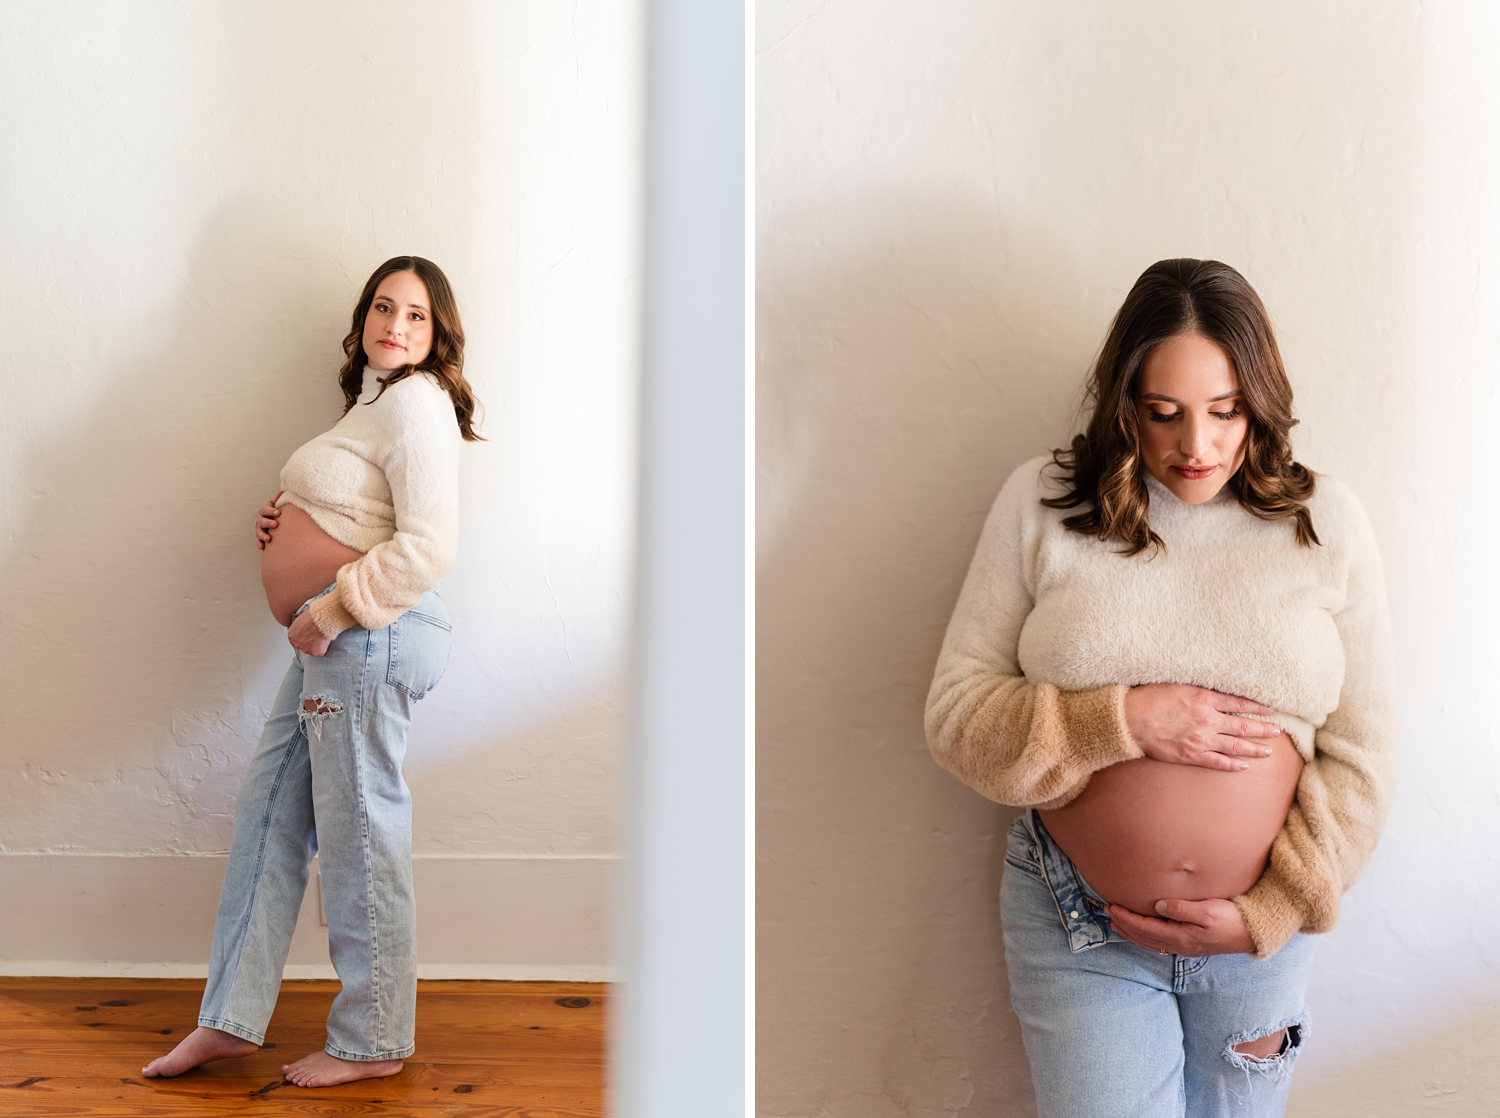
[
  {"x": 1145, "y": 831},
  {"x": 298, "y": 561},
  {"x": 1167, "y": 839},
  {"x": 1193, "y": 928}
]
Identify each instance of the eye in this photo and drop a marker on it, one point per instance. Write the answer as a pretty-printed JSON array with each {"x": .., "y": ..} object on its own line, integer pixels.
[
  {"x": 1226, "y": 416},
  {"x": 416, "y": 316},
  {"x": 1162, "y": 416}
]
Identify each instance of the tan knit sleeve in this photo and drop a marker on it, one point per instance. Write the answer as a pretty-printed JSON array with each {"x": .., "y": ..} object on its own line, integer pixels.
[
  {"x": 1017, "y": 741},
  {"x": 1345, "y": 791},
  {"x": 1027, "y": 744}
]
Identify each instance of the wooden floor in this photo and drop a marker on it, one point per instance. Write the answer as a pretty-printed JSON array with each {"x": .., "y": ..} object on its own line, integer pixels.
[{"x": 71, "y": 1046}]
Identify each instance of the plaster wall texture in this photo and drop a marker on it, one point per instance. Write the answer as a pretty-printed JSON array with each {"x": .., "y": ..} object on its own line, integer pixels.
[
  {"x": 192, "y": 195},
  {"x": 953, "y": 198}
]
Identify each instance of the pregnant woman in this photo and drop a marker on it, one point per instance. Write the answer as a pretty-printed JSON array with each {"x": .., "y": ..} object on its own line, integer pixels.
[
  {"x": 354, "y": 545},
  {"x": 1172, "y": 647}
]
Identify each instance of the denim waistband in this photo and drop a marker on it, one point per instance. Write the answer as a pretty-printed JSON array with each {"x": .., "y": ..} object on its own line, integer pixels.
[{"x": 1081, "y": 909}]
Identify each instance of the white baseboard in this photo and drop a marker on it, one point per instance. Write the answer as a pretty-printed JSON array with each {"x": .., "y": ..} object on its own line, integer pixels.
[
  {"x": 485, "y": 972},
  {"x": 151, "y": 916}
]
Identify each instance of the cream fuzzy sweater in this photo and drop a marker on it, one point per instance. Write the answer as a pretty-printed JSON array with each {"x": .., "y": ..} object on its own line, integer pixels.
[
  {"x": 1052, "y": 627},
  {"x": 383, "y": 481}
]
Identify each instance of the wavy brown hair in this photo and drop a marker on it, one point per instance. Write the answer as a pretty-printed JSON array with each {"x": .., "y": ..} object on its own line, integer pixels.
[
  {"x": 444, "y": 361},
  {"x": 1103, "y": 468}
]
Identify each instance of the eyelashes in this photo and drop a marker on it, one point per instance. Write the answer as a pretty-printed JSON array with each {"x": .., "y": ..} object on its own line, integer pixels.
[
  {"x": 382, "y": 307},
  {"x": 1168, "y": 417}
]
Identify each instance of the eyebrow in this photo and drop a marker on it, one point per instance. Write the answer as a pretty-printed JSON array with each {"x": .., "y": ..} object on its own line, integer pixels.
[
  {"x": 1174, "y": 400},
  {"x": 388, "y": 299}
]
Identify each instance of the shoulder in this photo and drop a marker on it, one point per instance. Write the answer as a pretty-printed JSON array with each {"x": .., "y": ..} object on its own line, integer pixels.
[
  {"x": 1339, "y": 517},
  {"x": 418, "y": 403},
  {"x": 1017, "y": 520},
  {"x": 1029, "y": 484}
]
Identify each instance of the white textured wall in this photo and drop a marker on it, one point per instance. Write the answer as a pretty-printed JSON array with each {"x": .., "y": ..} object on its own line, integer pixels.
[
  {"x": 953, "y": 199},
  {"x": 190, "y": 198}
]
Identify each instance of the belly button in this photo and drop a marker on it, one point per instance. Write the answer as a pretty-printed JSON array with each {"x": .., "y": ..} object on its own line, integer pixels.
[{"x": 1187, "y": 867}]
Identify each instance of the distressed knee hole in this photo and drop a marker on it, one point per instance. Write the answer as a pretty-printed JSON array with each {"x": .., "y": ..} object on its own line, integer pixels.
[
  {"x": 1266, "y": 1051},
  {"x": 1265, "y": 1047},
  {"x": 314, "y": 711}
]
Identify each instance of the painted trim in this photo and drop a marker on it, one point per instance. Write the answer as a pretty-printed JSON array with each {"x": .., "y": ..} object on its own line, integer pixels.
[
  {"x": 503, "y": 918},
  {"x": 484, "y": 972}
]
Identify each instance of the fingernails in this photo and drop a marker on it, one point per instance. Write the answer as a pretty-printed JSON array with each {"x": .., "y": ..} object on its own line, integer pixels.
[
  {"x": 1265, "y": 752},
  {"x": 1244, "y": 765},
  {"x": 1161, "y": 907}
]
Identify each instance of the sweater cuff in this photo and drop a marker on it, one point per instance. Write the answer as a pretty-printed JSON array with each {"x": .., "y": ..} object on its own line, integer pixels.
[
  {"x": 1271, "y": 912},
  {"x": 330, "y": 616},
  {"x": 1095, "y": 734},
  {"x": 1096, "y": 726}
]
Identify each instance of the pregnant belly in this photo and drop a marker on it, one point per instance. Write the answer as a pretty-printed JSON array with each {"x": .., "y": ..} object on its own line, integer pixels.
[
  {"x": 300, "y": 561},
  {"x": 1144, "y": 830}
]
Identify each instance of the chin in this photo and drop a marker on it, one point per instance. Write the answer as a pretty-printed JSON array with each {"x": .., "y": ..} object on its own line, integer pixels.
[{"x": 1196, "y": 492}]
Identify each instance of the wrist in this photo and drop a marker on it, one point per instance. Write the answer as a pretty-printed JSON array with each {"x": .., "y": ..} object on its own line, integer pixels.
[{"x": 330, "y": 616}]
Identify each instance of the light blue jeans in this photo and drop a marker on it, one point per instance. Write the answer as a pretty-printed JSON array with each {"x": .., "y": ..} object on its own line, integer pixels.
[
  {"x": 326, "y": 779},
  {"x": 1113, "y": 1030}
]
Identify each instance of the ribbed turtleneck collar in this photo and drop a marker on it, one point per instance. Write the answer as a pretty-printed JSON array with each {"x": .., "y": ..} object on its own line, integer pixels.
[{"x": 367, "y": 385}]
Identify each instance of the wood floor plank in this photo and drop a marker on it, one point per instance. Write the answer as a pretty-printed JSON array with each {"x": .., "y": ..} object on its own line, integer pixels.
[{"x": 513, "y": 1049}]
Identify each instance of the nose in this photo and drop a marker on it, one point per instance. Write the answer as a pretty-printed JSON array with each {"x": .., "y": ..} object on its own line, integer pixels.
[{"x": 1197, "y": 439}]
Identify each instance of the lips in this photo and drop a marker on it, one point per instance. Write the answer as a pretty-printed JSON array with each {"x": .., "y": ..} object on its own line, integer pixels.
[
  {"x": 392, "y": 345},
  {"x": 1194, "y": 473}
]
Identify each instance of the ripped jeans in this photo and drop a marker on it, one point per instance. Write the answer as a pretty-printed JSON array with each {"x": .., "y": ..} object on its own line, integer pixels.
[
  {"x": 1113, "y": 1030},
  {"x": 326, "y": 779}
]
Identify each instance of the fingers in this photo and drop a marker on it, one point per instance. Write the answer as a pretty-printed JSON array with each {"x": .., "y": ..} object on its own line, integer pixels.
[
  {"x": 1249, "y": 728},
  {"x": 1238, "y": 704},
  {"x": 266, "y": 520},
  {"x": 1236, "y": 747},
  {"x": 1164, "y": 936},
  {"x": 1143, "y": 931},
  {"x": 1184, "y": 912},
  {"x": 1210, "y": 759}
]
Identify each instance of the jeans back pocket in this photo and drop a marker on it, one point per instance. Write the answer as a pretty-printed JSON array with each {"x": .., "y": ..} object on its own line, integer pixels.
[{"x": 420, "y": 645}]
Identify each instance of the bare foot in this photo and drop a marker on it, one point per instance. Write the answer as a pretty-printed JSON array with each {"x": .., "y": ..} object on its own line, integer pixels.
[
  {"x": 199, "y": 1047},
  {"x": 319, "y": 1069}
]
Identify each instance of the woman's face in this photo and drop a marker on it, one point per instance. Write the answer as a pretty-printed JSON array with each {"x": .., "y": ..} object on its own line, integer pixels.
[
  {"x": 398, "y": 325},
  {"x": 1191, "y": 417}
]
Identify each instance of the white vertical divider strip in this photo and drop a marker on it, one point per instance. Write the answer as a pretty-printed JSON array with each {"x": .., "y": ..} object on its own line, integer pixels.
[{"x": 679, "y": 1040}]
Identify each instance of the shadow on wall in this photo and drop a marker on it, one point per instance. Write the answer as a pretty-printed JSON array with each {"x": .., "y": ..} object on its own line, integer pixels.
[
  {"x": 141, "y": 655},
  {"x": 508, "y": 790},
  {"x": 1452, "y": 1072},
  {"x": 136, "y": 590},
  {"x": 902, "y": 378}
]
